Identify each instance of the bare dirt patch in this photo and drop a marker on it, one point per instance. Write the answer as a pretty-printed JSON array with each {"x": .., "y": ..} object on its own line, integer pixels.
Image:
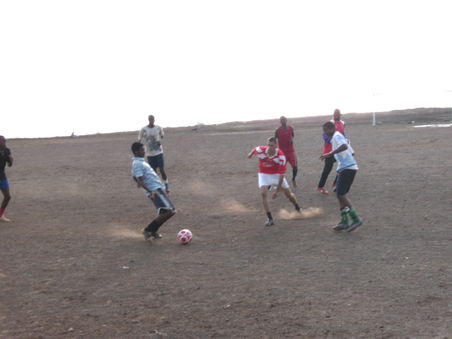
[{"x": 73, "y": 263}]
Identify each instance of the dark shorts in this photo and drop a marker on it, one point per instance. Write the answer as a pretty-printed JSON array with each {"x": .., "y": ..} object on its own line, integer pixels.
[
  {"x": 344, "y": 181},
  {"x": 156, "y": 161},
  {"x": 4, "y": 184},
  {"x": 162, "y": 202}
]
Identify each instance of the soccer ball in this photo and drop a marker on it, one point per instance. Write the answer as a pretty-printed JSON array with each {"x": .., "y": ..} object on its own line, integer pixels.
[{"x": 184, "y": 236}]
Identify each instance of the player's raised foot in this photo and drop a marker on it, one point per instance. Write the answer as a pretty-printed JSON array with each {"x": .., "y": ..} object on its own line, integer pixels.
[
  {"x": 4, "y": 219},
  {"x": 322, "y": 190},
  {"x": 354, "y": 225},
  {"x": 341, "y": 226},
  {"x": 269, "y": 222},
  {"x": 156, "y": 235}
]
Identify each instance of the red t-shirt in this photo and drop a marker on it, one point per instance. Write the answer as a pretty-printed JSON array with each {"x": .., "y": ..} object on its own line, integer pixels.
[
  {"x": 340, "y": 126},
  {"x": 275, "y": 164},
  {"x": 285, "y": 137}
]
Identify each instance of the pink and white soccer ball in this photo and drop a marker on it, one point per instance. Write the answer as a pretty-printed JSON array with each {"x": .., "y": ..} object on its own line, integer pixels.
[{"x": 184, "y": 236}]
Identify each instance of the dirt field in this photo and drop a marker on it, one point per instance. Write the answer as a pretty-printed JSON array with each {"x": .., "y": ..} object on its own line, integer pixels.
[{"x": 74, "y": 264}]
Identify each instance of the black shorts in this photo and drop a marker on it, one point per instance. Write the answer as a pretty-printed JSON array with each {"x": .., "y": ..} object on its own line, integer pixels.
[
  {"x": 162, "y": 202},
  {"x": 344, "y": 181},
  {"x": 156, "y": 161}
]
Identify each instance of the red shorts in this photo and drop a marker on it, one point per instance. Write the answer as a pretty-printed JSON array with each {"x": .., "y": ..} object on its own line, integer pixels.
[{"x": 291, "y": 158}]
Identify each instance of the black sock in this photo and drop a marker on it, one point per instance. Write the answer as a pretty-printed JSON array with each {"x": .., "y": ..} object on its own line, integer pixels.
[
  {"x": 153, "y": 227},
  {"x": 269, "y": 215},
  {"x": 294, "y": 173},
  {"x": 297, "y": 207}
]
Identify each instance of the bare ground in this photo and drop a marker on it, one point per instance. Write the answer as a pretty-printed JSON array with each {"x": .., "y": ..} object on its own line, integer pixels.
[{"x": 74, "y": 264}]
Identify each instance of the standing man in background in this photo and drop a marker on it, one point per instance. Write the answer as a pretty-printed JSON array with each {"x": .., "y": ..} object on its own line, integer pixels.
[
  {"x": 5, "y": 158},
  {"x": 151, "y": 137},
  {"x": 285, "y": 134}
]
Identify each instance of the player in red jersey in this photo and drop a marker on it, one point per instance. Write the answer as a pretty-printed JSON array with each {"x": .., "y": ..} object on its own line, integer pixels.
[
  {"x": 272, "y": 167},
  {"x": 284, "y": 134},
  {"x": 338, "y": 123}
]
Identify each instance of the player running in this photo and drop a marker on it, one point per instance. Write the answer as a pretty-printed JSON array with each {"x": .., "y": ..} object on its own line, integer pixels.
[
  {"x": 272, "y": 167},
  {"x": 5, "y": 158},
  {"x": 151, "y": 137},
  {"x": 346, "y": 169},
  {"x": 285, "y": 134},
  {"x": 146, "y": 178}
]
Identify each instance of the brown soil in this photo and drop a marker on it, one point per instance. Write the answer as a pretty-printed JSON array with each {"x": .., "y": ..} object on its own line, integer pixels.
[{"x": 74, "y": 264}]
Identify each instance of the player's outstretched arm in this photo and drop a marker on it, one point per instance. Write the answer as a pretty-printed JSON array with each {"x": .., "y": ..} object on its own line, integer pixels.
[{"x": 250, "y": 154}]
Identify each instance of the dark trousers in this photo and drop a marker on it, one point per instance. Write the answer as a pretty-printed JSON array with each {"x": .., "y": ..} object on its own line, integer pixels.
[{"x": 326, "y": 170}]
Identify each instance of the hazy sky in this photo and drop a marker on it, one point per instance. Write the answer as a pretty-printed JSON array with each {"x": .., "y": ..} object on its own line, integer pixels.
[{"x": 99, "y": 66}]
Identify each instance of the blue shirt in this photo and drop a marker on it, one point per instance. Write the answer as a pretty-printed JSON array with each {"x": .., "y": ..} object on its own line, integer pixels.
[
  {"x": 345, "y": 158},
  {"x": 141, "y": 168}
]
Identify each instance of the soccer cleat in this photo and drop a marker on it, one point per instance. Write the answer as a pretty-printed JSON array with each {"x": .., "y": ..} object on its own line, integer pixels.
[
  {"x": 146, "y": 234},
  {"x": 322, "y": 190},
  {"x": 156, "y": 235},
  {"x": 354, "y": 225},
  {"x": 269, "y": 222},
  {"x": 341, "y": 226},
  {"x": 4, "y": 219}
]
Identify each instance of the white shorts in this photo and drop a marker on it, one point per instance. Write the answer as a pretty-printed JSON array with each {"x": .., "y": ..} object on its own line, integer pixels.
[{"x": 271, "y": 180}]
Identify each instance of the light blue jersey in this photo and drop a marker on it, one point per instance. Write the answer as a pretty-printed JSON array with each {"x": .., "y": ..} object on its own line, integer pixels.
[
  {"x": 141, "y": 168},
  {"x": 345, "y": 158}
]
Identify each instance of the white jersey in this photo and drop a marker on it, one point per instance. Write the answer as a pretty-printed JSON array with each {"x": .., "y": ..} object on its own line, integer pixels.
[
  {"x": 345, "y": 158},
  {"x": 151, "y": 138}
]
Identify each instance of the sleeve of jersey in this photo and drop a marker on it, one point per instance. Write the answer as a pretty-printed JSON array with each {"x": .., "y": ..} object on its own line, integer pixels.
[
  {"x": 257, "y": 150},
  {"x": 140, "y": 135},
  {"x": 340, "y": 139},
  {"x": 282, "y": 163},
  {"x": 137, "y": 170}
]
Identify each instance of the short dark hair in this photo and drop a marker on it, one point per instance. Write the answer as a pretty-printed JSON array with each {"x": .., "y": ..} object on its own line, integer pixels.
[
  {"x": 271, "y": 139},
  {"x": 136, "y": 146},
  {"x": 329, "y": 125}
]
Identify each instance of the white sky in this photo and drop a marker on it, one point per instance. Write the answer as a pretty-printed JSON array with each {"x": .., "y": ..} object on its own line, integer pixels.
[{"x": 101, "y": 66}]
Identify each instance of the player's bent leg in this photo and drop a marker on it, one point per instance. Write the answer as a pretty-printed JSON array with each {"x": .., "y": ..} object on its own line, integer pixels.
[{"x": 292, "y": 198}]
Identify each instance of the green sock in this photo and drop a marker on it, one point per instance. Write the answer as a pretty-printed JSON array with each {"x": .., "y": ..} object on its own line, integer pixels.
[
  {"x": 353, "y": 214},
  {"x": 344, "y": 216}
]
